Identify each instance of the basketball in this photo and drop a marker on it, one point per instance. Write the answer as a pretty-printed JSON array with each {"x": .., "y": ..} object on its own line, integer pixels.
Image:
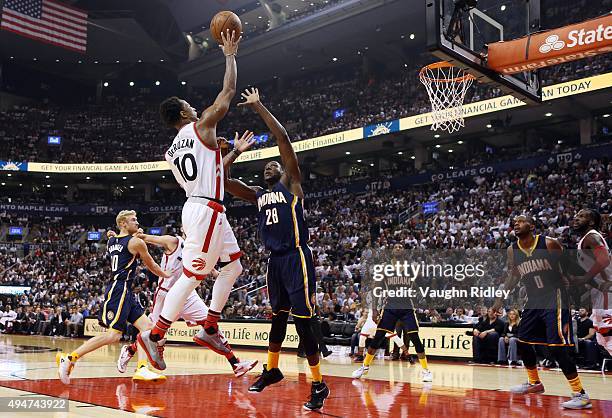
[{"x": 225, "y": 21}]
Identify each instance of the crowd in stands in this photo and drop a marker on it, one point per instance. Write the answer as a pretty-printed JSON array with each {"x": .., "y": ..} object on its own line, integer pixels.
[{"x": 129, "y": 130}]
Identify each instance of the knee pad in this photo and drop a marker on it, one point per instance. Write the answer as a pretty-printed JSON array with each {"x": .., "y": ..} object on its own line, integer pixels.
[
  {"x": 416, "y": 341},
  {"x": 279, "y": 327},
  {"x": 307, "y": 338}
]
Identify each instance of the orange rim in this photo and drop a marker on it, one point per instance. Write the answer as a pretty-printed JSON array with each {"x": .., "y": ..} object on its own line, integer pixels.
[{"x": 443, "y": 64}]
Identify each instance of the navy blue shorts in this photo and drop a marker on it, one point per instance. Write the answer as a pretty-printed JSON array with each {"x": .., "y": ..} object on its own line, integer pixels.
[
  {"x": 390, "y": 317},
  {"x": 291, "y": 282},
  {"x": 119, "y": 306},
  {"x": 546, "y": 327}
]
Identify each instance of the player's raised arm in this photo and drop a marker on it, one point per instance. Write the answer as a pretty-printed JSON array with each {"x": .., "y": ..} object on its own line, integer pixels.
[
  {"x": 138, "y": 246},
  {"x": 167, "y": 242},
  {"x": 213, "y": 114},
  {"x": 241, "y": 144},
  {"x": 287, "y": 153},
  {"x": 233, "y": 186}
]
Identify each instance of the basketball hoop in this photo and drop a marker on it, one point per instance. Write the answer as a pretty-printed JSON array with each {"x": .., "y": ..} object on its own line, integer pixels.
[{"x": 446, "y": 86}]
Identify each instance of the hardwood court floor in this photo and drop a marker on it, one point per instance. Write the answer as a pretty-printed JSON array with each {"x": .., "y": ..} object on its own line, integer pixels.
[{"x": 200, "y": 383}]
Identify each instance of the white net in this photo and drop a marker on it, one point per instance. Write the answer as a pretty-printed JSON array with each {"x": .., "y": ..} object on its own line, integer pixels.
[{"x": 446, "y": 86}]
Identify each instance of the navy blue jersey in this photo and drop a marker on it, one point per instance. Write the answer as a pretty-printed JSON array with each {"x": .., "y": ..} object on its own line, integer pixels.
[
  {"x": 123, "y": 262},
  {"x": 540, "y": 274},
  {"x": 281, "y": 219}
]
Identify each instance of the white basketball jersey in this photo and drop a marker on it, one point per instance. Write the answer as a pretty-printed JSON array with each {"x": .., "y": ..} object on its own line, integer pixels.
[
  {"x": 598, "y": 298},
  {"x": 196, "y": 167},
  {"x": 172, "y": 263}
]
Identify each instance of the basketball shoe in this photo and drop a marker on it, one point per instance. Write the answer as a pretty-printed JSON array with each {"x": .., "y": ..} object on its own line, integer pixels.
[
  {"x": 318, "y": 393},
  {"x": 242, "y": 368},
  {"x": 266, "y": 378}
]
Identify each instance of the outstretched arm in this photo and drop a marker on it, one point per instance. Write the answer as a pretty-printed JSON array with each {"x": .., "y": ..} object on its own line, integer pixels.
[
  {"x": 207, "y": 125},
  {"x": 233, "y": 186},
  {"x": 240, "y": 145},
  {"x": 138, "y": 247},
  {"x": 240, "y": 190},
  {"x": 287, "y": 153},
  {"x": 167, "y": 242}
]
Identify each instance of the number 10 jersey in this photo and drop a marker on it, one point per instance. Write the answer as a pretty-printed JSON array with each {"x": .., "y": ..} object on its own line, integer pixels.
[{"x": 196, "y": 167}]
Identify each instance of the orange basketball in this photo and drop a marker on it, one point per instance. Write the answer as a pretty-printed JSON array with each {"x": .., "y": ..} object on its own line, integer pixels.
[{"x": 224, "y": 21}]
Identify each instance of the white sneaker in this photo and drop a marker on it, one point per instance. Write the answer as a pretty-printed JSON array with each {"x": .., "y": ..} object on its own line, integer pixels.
[
  {"x": 240, "y": 369},
  {"x": 64, "y": 367},
  {"x": 578, "y": 401},
  {"x": 360, "y": 372},
  {"x": 124, "y": 359},
  {"x": 426, "y": 376},
  {"x": 143, "y": 374}
]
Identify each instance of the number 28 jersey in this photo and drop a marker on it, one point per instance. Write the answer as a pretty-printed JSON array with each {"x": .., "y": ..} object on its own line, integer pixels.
[
  {"x": 281, "y": 219},
  {"x": 196, "y": 167}
]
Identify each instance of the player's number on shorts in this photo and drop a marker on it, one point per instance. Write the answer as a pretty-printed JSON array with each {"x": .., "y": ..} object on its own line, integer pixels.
[
  {"x": 187, "y": 173},
  {"x": 538, "y": 281},
  {"x": 114, "y": 262},
  {"x": 271, "y": 216}
]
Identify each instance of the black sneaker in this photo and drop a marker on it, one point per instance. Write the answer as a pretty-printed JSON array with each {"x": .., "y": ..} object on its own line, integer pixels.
[
  {"x": 266, "y": 378},
  {"x": 318, "y": 394}
]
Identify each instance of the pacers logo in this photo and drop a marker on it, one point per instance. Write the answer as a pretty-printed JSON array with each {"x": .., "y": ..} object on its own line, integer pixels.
[
  {"x": 110, "y": 315},
  {"x": 552, "y": 43},
  {"x": 199, "y": 264}
]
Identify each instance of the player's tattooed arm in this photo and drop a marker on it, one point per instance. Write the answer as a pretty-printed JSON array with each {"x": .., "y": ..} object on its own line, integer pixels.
[
  {"x": 512, "y": 279},
  {"x": 138, "y": 247},
  {"x": 292, "y": 177}
]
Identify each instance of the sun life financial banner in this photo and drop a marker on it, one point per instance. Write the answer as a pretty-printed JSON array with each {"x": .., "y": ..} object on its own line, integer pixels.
[{"x": 438, "y": 341}]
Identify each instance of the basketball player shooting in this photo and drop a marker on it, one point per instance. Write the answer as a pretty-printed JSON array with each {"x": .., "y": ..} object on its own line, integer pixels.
[
  {"x": 119, "y": 305},
  {"x": 291, "y": 278},
  {"x": 534, "y": 260},
  {"x": 594, "y": 258},
  {"x": 195, "y": 160}
]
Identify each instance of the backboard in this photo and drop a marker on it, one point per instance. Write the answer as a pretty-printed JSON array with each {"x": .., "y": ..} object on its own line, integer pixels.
[{"x": 459, "y": 31}]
